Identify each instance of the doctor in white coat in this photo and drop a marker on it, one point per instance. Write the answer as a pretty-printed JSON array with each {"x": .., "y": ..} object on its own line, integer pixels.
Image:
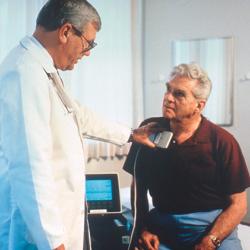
[{"x": 42, "y": 177}]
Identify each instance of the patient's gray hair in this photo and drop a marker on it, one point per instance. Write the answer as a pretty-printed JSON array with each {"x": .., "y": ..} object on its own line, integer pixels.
[
  {"x": 195, "y": 72},
  {"x": 56, "y": 13}
]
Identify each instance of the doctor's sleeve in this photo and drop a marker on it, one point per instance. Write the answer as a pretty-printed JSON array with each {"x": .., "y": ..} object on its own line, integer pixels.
[{"x": 96, "y": 127}]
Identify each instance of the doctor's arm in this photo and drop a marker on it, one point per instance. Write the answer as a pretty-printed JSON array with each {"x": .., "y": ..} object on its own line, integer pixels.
[
  {"x": 61, "y": 247},
  {"x": 96, "y": 127},
  {"x": 225, "y": 222}
]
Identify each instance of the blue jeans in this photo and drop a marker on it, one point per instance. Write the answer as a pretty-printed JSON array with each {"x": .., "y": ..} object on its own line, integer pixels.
[{"x": 183, "y": 231}]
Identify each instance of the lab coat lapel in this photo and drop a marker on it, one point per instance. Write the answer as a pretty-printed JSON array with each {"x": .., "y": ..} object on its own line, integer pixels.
[{"x": 69, "y": 104}]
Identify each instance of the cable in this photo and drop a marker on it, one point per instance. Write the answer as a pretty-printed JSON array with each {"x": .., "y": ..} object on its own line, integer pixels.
[
  {"x": 161, "y": 140},
  {"x": 135, "y": 199}
]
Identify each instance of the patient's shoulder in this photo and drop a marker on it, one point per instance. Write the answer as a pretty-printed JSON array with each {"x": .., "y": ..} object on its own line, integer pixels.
[{"x": 160, "y": 120}]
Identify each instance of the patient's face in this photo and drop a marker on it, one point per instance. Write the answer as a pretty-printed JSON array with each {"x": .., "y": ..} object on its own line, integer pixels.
[{"x": 179, "y": 102}]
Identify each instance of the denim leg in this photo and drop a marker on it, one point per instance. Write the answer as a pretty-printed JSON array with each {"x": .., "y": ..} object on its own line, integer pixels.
[
  {"x": 164, "y": 247},
  {"x": 232, "y": 242},
  {"x": 180, "y": 230}
]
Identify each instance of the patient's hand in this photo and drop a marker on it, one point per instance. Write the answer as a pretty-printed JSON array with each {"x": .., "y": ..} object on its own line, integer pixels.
[
  {"x": 149, "y": 241},
  {"x": 205, "y": 244}
]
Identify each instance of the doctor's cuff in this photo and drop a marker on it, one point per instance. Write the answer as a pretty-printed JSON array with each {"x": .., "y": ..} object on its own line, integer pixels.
[{"x": 130, "y": 139}]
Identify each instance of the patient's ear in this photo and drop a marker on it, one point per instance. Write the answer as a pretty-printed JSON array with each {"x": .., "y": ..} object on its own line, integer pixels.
[{"x": 201, "y": 105}]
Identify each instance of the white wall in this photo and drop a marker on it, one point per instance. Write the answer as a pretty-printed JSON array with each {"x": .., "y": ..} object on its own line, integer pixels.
[{"x": 167, "y": 20}]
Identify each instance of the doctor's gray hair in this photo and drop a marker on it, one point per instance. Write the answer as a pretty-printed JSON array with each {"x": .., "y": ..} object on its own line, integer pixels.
[
  {"x": 79, "y": 13},
  {"x": 194, "y": 72}
]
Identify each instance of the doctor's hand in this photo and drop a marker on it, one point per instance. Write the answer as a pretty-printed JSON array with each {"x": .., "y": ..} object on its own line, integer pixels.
[
  {"x": 141, "y": 134},
  {"x": 149, "y": 241},
  {"x": 61, "y": 247}
]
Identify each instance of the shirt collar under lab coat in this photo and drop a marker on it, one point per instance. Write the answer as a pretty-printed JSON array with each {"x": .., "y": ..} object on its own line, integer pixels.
[{"x": 39, "y": 52}]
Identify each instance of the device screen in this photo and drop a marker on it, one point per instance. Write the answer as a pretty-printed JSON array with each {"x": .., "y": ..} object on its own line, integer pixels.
[{"x": 99, "y": 190}]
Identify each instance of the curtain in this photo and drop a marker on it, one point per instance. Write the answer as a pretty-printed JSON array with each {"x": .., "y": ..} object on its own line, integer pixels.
[
  {"x": 17, "y": 19},
  {"x": 109, "y": 80},
  {"x": 103, "y": 81}
]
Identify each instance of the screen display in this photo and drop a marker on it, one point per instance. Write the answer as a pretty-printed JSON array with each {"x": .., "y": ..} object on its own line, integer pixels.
[{"x": 99, "y": 190}]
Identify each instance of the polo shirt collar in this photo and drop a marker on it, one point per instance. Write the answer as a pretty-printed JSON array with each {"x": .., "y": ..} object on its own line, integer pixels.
[{"x": 202, "y": 134}]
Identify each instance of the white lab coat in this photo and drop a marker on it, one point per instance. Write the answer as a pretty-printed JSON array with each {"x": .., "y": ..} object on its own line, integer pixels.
[{"x": 42, "y": 179}]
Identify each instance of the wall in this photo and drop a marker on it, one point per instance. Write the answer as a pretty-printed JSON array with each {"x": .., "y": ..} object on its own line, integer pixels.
[{"x": 167, "y": 20}]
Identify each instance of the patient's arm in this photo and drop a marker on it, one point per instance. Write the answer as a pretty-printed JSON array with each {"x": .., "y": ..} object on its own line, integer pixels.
[
  {"x": 139, "y": 194},
  {"x": 226, "y": 221},
  {"x": 139, "y": 197}
]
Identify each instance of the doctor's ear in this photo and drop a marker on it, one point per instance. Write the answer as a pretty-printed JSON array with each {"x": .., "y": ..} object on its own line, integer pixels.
[{"x": 64, "y": 32}]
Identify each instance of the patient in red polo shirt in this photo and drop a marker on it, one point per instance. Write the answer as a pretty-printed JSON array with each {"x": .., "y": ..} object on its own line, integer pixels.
[{"x": 198, "y": 184}]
